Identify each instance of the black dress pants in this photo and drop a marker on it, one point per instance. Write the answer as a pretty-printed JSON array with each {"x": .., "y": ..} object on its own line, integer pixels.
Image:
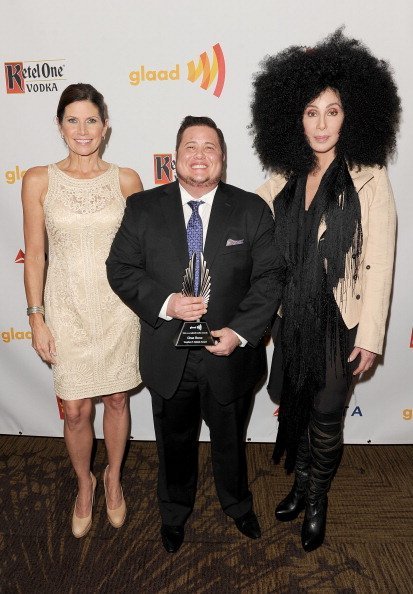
[{"x": 177, "y": 422}]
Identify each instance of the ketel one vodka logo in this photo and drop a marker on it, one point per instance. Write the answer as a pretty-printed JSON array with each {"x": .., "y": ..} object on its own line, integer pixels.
[
  {"x": 33, "y": 76},
  {"x": 164, "y": 168}
]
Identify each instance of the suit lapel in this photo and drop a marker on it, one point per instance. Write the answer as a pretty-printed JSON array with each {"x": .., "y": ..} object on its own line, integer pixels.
[
  {"x": 360, "y": 178},
  {"x": 222, "y": 208},
  {"x": 171, "y": 205}
]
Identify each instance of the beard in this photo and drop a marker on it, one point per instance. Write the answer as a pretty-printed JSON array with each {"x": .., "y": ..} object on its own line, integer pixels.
[{"x": 208, "y": 182}]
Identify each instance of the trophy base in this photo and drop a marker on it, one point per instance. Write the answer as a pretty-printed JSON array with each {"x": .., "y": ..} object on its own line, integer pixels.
[{"x": 194, "y": 334}]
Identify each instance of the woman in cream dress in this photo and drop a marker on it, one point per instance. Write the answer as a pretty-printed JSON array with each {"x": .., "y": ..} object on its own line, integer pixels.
[{"x": 89, "y": 336}]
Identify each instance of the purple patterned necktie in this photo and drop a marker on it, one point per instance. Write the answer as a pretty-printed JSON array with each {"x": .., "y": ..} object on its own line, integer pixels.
[{"x": 194, "y": 234}]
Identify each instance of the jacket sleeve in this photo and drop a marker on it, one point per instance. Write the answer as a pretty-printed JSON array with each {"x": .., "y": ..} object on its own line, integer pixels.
[
  {"x": 126, "y": 269},
  {"x": 378, "y": 266},
  {"x": 261, "y": 302}
]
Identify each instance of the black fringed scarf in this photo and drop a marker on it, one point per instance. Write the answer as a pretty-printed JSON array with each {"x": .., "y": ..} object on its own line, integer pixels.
[{"x": 314, "y": 268}]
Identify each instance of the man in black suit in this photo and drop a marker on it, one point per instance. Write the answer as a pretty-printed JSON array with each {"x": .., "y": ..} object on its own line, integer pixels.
[{"x": 145, "y": 268}]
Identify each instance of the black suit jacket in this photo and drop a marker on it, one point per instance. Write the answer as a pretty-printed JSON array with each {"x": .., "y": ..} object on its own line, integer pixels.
[{"x": 147, "y": 262}]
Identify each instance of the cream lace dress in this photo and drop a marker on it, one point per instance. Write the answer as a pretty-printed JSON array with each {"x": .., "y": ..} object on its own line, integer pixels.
[{"x": 96, "y": 334}]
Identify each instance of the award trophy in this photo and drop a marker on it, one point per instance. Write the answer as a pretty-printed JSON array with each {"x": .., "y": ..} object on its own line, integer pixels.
[{"x": 195, "y": 334}]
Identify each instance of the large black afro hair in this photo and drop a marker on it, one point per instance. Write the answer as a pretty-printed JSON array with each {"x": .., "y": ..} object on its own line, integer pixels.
[{"x": 289, "y": 80}]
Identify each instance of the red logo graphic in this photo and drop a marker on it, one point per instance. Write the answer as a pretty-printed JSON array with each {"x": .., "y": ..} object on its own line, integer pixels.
[
  {"x": 60, "y": 408},
  {"x": 210, "y": 71},
  {"x": 411, "y": 340},
  {"x": 164, "y": 167},
  {"x": 14, "y": 77},
  {"x": 19, "y": 259}
]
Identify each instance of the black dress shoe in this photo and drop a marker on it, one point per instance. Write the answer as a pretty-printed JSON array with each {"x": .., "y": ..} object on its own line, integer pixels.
[
  {"x": 248, "y": 525},
  {"x": 172, "y": 537}
]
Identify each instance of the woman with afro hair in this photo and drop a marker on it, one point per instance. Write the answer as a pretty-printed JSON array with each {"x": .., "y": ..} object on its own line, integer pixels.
[{"x": 325, "y": 121}]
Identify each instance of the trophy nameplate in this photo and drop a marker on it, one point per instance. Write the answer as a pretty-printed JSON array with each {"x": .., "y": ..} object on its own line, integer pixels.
[{"x": 196, "y": 333}]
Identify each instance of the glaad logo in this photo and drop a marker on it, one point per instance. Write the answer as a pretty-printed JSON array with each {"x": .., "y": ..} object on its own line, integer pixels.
[
  {"x": 19, "y": 259},
  {"x": 33, "y": 76},
  {"x": 142, "y": 74},
  {"x": 164, "y": 168},
  {"x": 12, "y": 334},
  {"x": 210, "y": 70},
  {"x": 14, "y": 175}
]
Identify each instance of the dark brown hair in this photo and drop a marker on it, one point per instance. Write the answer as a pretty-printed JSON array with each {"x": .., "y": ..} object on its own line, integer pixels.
[
  {"x": 292, "y": 78},
  {"x": 190, "y": 121},
  {"x": 81, "y": 92}
]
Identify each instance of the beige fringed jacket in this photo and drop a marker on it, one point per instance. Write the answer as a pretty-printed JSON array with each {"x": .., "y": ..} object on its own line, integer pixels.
[{"x": 365, "y": 303}]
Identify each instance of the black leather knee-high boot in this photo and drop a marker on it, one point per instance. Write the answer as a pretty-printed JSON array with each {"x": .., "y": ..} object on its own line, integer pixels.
[
  {"x": 289, "y": 508},
  {"x": 326, "y": 441}
]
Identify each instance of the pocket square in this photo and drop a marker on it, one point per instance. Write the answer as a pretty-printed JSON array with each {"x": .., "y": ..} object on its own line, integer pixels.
[{"x": 234, "y": 242}]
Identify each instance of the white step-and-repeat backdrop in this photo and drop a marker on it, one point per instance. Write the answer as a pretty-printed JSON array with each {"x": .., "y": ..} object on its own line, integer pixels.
[{"x": 156, "y": 62}]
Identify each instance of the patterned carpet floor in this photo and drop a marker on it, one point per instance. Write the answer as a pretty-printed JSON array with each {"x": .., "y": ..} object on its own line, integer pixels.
[{"x": 368, "y": 546}]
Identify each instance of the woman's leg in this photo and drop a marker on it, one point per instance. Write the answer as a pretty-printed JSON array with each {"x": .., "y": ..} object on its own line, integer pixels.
[
  {"x": 79, "y": 437},
  {"x": 116, "y": 428},
  {"x": 326, "y": 443},
  {"x": 294, "y": 503}
]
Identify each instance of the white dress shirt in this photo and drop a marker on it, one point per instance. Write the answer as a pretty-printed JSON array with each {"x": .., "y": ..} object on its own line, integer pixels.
[{"x": 205, "y": 213}]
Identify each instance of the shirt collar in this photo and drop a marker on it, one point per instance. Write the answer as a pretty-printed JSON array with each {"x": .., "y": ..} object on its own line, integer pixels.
[{"x": 186, "y": 196}]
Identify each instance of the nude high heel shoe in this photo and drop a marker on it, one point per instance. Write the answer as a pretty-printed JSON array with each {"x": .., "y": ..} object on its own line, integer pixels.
[
  {"x": 115, "y": 516},
  {"x": 81, "y": 526}
]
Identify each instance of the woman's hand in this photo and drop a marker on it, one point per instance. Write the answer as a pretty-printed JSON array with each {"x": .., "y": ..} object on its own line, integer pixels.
[
  {"x": 367, "y": 359},
  {"x": 43, "y": 342}
]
